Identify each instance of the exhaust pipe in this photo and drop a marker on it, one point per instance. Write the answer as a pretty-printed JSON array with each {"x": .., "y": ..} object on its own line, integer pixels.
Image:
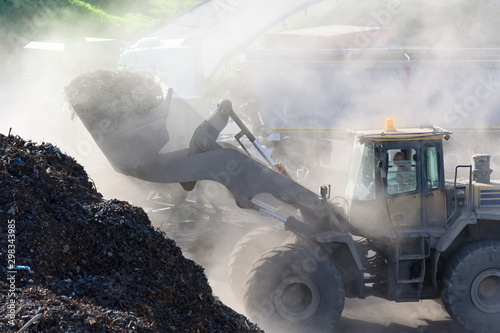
[{"x": 481, "y": 168}]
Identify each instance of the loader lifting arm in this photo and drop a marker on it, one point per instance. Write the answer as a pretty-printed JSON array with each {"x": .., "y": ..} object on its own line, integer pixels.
[
  {"x": 244, "y": 176},
  {"x": 134, "y": 145}
]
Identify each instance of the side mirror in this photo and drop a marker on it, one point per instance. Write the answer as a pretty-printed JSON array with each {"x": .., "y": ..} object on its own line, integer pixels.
[{"x": 325, "y": 191}]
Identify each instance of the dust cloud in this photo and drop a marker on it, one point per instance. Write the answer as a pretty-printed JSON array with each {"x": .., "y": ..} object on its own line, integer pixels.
[
  {"x": 413, "y": 92},
  {"x": 419, "y": 62}
]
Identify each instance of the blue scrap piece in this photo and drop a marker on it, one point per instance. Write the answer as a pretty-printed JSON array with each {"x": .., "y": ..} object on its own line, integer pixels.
[{"x": 23, "y": 267}]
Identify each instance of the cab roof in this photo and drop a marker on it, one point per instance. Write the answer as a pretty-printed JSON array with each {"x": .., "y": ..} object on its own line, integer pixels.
[{"x": 390, "y": 133}]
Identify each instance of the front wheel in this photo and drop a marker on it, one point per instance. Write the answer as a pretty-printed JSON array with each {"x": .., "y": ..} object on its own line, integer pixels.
[
  {"x": 471, "y": 286},
  {"x": 294, "y": 288},
  {"x": 248, "y": 249}
]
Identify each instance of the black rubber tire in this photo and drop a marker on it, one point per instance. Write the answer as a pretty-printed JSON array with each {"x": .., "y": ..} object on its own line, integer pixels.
[
  {"x": 250, "y": 248},
  {"x": 471, "y": 286},
  {"x": 294, "y": 288}
]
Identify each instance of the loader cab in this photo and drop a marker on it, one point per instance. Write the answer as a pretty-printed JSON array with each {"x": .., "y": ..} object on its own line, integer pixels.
[{"x": 396, "y": 180}]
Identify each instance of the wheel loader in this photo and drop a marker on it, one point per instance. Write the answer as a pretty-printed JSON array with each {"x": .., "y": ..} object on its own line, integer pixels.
[{"x": 403, "y": 232}]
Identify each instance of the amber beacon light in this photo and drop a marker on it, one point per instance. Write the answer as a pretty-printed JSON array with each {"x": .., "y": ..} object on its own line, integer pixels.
[{"x": 389, "y": 125}]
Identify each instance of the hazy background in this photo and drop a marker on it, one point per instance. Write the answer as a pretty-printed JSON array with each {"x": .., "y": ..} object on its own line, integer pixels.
[{"x": 32, "y": 99}]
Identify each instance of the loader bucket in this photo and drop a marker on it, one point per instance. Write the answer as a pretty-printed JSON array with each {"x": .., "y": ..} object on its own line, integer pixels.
[{"x": 132, "y": 117}]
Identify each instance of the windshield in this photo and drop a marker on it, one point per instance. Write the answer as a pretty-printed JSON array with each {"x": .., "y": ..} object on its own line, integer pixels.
[{"x": 361, "y": 180}]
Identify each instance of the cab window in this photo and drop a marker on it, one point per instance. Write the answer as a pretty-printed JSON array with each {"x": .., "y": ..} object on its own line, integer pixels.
[
  {"x": 432, "y": 167},
  {"x": 401, "y": 171},
  {"x": 361, "y": 180}
]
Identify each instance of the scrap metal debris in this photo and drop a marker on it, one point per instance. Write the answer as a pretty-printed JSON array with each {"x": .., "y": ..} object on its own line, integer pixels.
[
  {"x": 112, "y": 96},
  {"x": 92, "y": 265}
]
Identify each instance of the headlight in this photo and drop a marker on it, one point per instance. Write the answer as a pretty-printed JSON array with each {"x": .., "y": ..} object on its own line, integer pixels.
[{"x": 460, "y": 196}]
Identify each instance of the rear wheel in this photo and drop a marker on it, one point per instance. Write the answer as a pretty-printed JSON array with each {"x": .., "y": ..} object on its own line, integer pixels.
[
  {"x": 248, "y": 249},
  {"x": 294, "y": 288},
  {"x": 471, "y": 286}
]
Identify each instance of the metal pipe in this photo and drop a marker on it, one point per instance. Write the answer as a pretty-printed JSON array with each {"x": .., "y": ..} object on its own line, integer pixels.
[
  {"x": 264, "y": 153},
  {"x": 273, "y": 214}
]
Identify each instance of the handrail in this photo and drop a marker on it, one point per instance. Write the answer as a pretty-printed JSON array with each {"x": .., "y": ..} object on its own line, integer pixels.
[{"x": 469, "y": 200}]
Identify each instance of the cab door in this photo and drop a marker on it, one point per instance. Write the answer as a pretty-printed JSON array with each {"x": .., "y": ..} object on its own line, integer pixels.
[
  {"x": 434, "y": 196},
  {"x": 402, "y": 187}
]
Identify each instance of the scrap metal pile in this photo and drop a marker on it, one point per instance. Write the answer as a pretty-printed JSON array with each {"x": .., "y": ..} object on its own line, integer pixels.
[
  {"x": 91, "y": 264},
  {"x": 112, "y": 96}
]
